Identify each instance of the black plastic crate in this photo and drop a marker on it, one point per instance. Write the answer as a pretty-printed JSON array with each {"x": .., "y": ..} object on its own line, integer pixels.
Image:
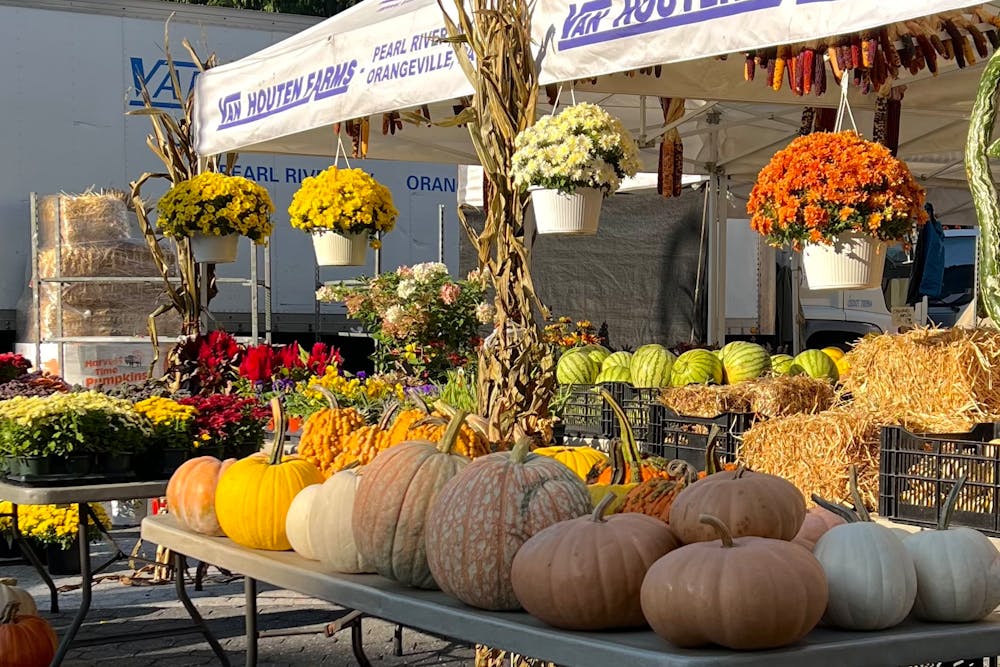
[
  {"x": 917, "y": 471},
  {"x": 675, "y": 436},
  {"x": 587, "y": 414}
]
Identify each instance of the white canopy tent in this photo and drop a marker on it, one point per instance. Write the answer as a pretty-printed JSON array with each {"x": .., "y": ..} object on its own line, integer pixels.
[{"x": 382, "y": 56}]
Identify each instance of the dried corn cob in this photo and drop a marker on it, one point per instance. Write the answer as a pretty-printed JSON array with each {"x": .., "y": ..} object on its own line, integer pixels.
[
  {"x": 749, "y": 67},
  {"x": 958, "y": 43},
  {"x": 832, "y": 52},
  {"x": 808, "y": 55}
]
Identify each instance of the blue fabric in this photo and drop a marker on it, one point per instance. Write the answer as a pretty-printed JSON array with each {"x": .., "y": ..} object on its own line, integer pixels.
[{"x": 932, "y": 279}]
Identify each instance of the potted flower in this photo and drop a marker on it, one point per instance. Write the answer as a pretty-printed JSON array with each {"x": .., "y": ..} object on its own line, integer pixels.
[
  {"x": 172, "y": 439},
  {"x": 344, "y": 210},
  {"x": 214, "y": 210},
  {"x": 227, "y": 425},
  {"x": 55, "y": 528},
  {"x": 570, "y": 162},
  {"x": 840, "y": 199},
  {"x": 63, "y": 433}
]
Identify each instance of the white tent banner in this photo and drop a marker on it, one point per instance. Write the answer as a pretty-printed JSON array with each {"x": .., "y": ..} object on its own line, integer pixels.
[{"x": 384, "y": 55}]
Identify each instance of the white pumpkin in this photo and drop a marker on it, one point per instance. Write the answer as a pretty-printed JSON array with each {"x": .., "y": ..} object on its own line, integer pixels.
[
  {"x": 9, "y": 592},
  {"x": 297, "y": 521},
  {"x": 870, "y": 574},
  {"x": 330, "y": 527},
  {"x": 958, "y": 570}
]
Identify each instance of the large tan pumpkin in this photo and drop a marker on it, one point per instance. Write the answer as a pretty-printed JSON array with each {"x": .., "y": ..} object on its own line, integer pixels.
[
  {"x": 330, "y": 523},
  {"x": 745, "y": 593},
  {"x": 483, "y": 516},
  {"x": 392, "y": 501},
  {"x": 749, "y": 503},
  {"x": 191, "y": 493},
  {"x": 586, "y": 573}
]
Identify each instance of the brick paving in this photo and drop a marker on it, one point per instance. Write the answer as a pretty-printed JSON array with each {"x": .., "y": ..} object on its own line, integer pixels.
[{"x": 118, "y": 608}]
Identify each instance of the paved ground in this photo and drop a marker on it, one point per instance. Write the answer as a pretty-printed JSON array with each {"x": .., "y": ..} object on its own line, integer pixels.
[{"x": 118, "y": 608}]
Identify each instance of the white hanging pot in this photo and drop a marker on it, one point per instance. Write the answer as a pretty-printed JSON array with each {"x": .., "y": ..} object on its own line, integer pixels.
[
  {"x": 852, "y": 261},
  {"x": 571, "y": 214},
  {"x": 336, "y": 249},
  {"x": 215, "y": 249}
]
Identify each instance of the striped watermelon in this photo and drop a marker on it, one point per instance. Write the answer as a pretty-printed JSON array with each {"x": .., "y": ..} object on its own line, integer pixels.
[
  {"x": 742, "y": 360},
  {"x": 696, "y": 367},
  {"x": 614, "y": 373},
  {"x": 598, "y": 353},
  {"x": 617, "y": 359},
  {"x": 650, "y": 366},
  {"x": 576, "y": 368},
  {"x": 781, "y": 364},
  {"x": 816, "y": 364}
]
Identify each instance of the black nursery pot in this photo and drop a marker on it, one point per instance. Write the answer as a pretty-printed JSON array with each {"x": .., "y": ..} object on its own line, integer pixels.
[
  {"x": 31, "y": 465},
  {"x": 114, "y": 464},
  {"x": 78, "y": 464},
  {"x": 63, "y": 561}
]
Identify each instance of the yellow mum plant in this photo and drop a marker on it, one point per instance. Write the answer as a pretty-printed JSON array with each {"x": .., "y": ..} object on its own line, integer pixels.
[
  {"x": 216, "y": 204},
  {"x": 51, "y": 524},
  {"x": 347, "y": 201}
]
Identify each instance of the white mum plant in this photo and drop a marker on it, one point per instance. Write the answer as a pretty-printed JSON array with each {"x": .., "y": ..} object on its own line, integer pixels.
[{"x": 581, "y": 147}]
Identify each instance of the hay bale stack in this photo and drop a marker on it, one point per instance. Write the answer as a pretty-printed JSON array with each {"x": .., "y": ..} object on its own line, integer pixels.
[
  {"x": 700, "y": 400},
  {"x": 815, "y": 452},
  {"x": 121, "y": 258},
  {"x": 83, "y": 218},
  {"x": 766, "y": 397},
  {"x": 928, "y": 380}
]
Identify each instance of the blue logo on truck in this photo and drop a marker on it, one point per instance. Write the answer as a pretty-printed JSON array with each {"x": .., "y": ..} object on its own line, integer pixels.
[{"x": 155, "y": 76}]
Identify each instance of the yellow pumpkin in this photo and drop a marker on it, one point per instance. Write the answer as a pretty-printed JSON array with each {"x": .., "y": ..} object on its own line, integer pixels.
[
  {"x": 254, "y": 494},
  {"x": 580, "y": 460}
]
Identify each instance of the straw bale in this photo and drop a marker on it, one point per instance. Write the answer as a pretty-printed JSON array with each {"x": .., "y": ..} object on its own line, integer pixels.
[
  {"x": 928, "y": 379},
  {"x": 767, "y": 397},
  {"x": 82, "y": 218},
  {"x": 101, "y": 259},
  {"x": 700, "y": 400},
  {"x": 815, "y": 451},
  {"x": 112, "y": 320}
]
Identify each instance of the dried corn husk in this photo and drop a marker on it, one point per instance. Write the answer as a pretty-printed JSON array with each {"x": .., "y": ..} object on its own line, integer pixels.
[
  {"x": 492, "y": 657},
  {"x": 815, "y": 451},
  {"x": 928, "y": 380}
]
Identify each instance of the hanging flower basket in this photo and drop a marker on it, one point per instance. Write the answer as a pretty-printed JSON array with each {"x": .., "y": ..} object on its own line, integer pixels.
[
  {"x": 215, "y": 249},
  {"x": 575, "y": 214},
  {"x": 336, "y": 249},
  {"x": 851, "y": 261}
]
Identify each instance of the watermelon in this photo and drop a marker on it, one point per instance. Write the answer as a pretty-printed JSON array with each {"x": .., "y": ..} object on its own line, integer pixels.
[
  {"x": 816, "y": 364},
  {"x": 598, "y": 353},
  {"x": 614, "y": 374},
  {"x": 781, "y": 364},
  {"x": 576, "y": 368},
  {"x": 650, "y": 366},
  {"x": 696, "y": 367},
  {"x": 617, "y": 359},
  {"x": 742, "y": 360}
]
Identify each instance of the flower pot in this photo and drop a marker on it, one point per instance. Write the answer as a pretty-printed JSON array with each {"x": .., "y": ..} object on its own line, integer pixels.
[
  {"x": 241, "y": 450},
  {"x": 78, "y": 464},
  {"x": 31, "y": 465},
  {"x": 335, "y": 249},
  {"x": 575, "y": 214},
  {"x": 114, "y": 464},
  {"x": 171, "y": 460},
  {"x": 63, "y": 561},
  {"x": 218, "y": 451},
  {"x": 7, "y": 547},
  {"x": 852, "y": 261},
  {"x": 215, "y": 249}
]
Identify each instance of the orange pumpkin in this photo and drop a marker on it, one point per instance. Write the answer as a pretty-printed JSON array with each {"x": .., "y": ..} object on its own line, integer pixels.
[
  {"x": 191, "y": 493},
  {"x": 818, "y": 521},
  {"x": 25, "y": 640},
  {"x": 655, "y": 496}
]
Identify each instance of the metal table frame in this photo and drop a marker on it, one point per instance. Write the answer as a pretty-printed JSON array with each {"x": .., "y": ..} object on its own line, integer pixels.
[
  {"x": 435, "y": 613},
  {"x": 82, "y": 496}
]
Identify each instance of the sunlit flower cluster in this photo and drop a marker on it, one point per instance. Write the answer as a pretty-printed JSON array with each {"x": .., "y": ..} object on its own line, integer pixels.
[
  {"x": 343, "y": 200},
  {"x": 582, "y": 147},
  {"x": 566, "y": 334},
  {"x": 49, "y": 524},
  {"x": 216, "y": 204},
  {"x": 171, "y": 421},
  {"x": 827, "y": 183}
]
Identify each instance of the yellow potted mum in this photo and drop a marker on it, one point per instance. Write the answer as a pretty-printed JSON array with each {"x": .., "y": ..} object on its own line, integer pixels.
[
  {"x": 214, "y": 210},
  {"x": 344, "y": 210}
]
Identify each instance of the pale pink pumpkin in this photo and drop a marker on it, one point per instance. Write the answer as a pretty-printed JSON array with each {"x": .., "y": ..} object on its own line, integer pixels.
[
  {"x": 191, "y": 493},
  {"x": 486, "y": 512},
  {"x": 817, "y": 522},
  {"x": 391, "y": 504}
]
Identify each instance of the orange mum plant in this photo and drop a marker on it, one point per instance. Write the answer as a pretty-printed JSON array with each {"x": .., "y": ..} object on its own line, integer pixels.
[{"x": 829, "y": 183}]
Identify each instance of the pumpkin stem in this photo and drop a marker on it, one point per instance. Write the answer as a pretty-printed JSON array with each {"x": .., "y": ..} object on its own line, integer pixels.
[
  {"x": 521, "y": 448},
  {"x": 331, "y": 400},
  {"x": 602, "y": 508},
  {"x": 713, "y": 463},
  {"x": 8, "y": 581},
  {"x": 740, "y": 469},
  {"x": 844, "y": 513},
  {"x": 715, "y": 522},
  {"x": 629, "y": 447},
  {"x": 682, "y": 471},
  {"x": 859, "y": 503},
  {"x": 949, "y": 503},
  {"x": 450, "y": 435},
  {"x": 388, "y": 415},
  {"x": 414, "y": 396},
  {"x": 280, "y": 426},
  {"x": 9, "y": 613}
]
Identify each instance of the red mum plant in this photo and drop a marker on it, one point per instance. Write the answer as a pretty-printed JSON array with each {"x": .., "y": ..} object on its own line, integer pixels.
[
  {"x": 235, "y": 422},
  {"x": 13, "y": 366}
]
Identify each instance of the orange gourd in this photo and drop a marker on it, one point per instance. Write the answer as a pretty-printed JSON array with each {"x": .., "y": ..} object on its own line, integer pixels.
[
  {"x": 191, "y": 493},
  {"x": 420, "y": 424},
  {"x": 636, "y": 469},
  {"x": 654, "y": 497},
  {"x": 324, "y": 430},
  {"x": 25, "y": 640}
]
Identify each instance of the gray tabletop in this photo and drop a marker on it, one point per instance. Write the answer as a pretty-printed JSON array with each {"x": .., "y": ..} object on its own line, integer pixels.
[
  {"x": 909, "y": 644},
  {"x": 56, "y": 495}
]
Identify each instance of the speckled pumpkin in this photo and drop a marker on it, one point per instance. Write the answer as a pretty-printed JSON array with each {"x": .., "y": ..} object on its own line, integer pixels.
[
  {"x": 483, "y": 516},
  {"x": 391, "y": 503},
  {"x": 191, "y": 493}
]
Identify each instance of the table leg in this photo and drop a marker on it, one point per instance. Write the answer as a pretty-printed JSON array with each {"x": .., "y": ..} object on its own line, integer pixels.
[
  {"x": 32, "y": 558},
  {"x": 85, "y": 587},
  {"x": 193, "y": 613},
  {"x": 358, "y": 644},
  {"x": 250, "y": 611},
  {"x": 397, "y": 641}
]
